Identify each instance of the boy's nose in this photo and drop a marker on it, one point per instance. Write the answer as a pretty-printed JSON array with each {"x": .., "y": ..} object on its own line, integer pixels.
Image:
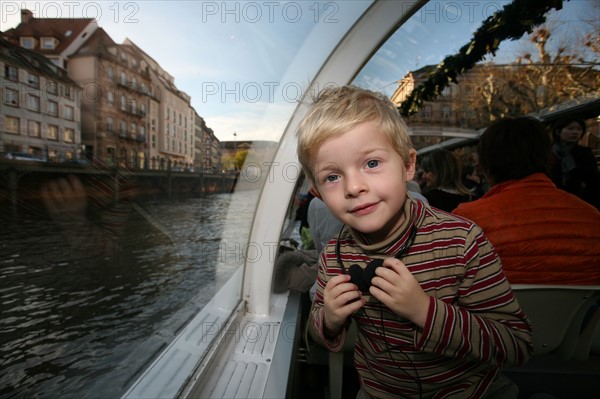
[{"x": 355, "y": 185}]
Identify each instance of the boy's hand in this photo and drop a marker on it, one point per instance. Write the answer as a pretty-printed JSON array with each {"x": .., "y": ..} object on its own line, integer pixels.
[
  {"x": 340, "y": 299},
  {"x": 396, "y": 287},
  {"x": 65, "y": 199}
]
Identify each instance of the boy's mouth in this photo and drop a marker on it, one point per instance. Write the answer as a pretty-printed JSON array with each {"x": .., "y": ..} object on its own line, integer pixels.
[{"x": 364, "y": 209}]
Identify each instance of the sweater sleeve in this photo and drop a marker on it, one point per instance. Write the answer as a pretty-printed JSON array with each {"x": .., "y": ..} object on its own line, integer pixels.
[
  {"x": 315, "y": 321},
  {"x": 484, "y": 321}
]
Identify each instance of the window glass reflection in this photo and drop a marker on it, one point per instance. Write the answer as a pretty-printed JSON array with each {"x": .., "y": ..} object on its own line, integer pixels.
[{"x": 129, "y": 178}]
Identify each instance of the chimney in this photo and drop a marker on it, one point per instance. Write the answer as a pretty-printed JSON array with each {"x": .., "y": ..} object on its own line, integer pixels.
[{"x": 26, "y": 16}]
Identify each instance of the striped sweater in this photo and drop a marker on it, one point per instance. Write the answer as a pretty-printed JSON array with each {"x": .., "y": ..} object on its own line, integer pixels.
[{"x": 474, "y": 324}]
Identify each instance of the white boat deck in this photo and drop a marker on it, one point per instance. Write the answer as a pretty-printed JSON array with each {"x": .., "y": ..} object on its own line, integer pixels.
[{"x": 239, "y": 366}]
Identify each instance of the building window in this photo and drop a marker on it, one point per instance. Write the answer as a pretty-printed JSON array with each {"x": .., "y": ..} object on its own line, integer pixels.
[
  {"x": 27, "y": 42},
  {"x": 10, "y": 72},
  {"x": 111, "y": 97},
  {"x": 69, "y": 135},
  {"x": 34, "y": 128},
  {"x": 110, "y": 124},
  {"x": 123, "y": 128},
  {"x": 48, "y": 43},
  {"x": 110, "y": 72},
  {"x": 33, "y": 80},
  {"x": 133, "y": 128},
  {"x": 69, "y": 113},
  {"x": 123, "y": 79},
  {"x": 123, "y": 103},
  {"x": 53, "y": 108},
  {"x": 11, "y": 96},
  {"x": 427, "y": 112},
  {"x": 153, "y": 141},
  {"x": 446, "y": 112},
  {"x": 68, "y": 92},
  {"x": 52, "y": 88},
  {"x": 33, "y": 102},
  {"x": 52, "y": 132},
  {"x": 11, "y": 124}
]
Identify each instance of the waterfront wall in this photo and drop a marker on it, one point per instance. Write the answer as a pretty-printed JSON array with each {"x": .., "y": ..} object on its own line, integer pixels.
[{"x": 21, "y": 181}]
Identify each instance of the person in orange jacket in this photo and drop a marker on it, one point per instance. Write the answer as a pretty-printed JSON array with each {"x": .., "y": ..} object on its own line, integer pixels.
[{"x": 544, "y": 235}]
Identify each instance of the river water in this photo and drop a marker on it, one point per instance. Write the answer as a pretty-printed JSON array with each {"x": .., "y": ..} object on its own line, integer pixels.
[{"x": 82, "y": 321}]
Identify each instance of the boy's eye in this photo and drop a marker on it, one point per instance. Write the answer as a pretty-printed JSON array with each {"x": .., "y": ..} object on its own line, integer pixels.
[
  {"x": 372, "y": 163},
  {"x": 331, "y": 178}
]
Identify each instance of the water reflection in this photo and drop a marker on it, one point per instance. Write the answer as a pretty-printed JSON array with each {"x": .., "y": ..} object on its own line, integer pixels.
[{"x": 76, "y": 323}]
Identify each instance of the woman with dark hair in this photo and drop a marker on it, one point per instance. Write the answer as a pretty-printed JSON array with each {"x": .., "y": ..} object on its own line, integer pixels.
[
  {"x": 543, "y": 235},
  {"x": 442, "y": 176},
  {"x": 575, "y": 168}
]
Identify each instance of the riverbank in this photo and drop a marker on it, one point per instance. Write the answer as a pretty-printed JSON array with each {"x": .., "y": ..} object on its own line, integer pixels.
[{"x": 21, "y": 181}]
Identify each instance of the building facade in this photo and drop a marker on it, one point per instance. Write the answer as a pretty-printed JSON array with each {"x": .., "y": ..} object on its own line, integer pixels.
[
  {"x": 132, "y": 114},
  {"x": 40, "y": 113},
  {"x": 207, "y": 148},
  {"x": 173, "y": 144}
]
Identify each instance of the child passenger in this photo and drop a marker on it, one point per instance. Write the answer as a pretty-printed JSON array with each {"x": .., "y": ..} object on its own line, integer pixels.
[{"x": 440, "y": 319}]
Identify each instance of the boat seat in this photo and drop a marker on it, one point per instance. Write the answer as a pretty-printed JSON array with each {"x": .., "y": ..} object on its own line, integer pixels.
[
  {"x": 336, "y": 360},
  {"x": 557, "y": 314},
  {"x": 589, "y": 340},
  {"x": 336, "y": 363}
]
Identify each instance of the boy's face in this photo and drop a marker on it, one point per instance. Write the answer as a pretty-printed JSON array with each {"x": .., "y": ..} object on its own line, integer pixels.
[{"x": 362, "y": 180}]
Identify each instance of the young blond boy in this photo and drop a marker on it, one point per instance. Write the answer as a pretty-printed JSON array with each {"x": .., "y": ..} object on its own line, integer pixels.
[{"x": 439, "y": 319}]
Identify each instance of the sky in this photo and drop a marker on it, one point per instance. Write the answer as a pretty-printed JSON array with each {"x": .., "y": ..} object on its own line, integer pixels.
[
  {"x": 446, "y": 27},
  {"x": 238, "y": 60},
  {"x": 246, "y": 63}
]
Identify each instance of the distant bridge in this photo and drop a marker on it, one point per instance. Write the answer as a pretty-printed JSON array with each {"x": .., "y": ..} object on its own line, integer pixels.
[{"x": 443, "y": 131}]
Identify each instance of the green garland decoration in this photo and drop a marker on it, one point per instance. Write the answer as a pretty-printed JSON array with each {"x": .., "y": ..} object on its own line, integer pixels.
[{"x": 514, "y": 20}]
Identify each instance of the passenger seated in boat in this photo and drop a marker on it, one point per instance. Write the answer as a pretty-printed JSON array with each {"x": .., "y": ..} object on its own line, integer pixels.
[
  {"x": 574, "y": 167},
  {"x": 442, "y": 175},
  {"x": 438, "y": 316},
  {"x": 543, "y": 234}
]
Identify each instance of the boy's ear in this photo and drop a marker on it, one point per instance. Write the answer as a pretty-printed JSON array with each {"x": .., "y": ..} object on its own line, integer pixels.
[
  {"x": 315, "y": 192},
  {"x": 411, "y": 165}
]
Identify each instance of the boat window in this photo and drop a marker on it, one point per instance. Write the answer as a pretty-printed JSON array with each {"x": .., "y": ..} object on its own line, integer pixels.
[
  {"x": 554, "y": 67},
  {"x": 114, "y": 240}
]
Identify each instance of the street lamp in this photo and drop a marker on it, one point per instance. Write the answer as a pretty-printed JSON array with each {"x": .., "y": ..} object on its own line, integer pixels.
[{"x": 234, "y": 150}]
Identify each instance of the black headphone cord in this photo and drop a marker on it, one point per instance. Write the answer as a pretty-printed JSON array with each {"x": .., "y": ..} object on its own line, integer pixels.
[{"x": 415, "y": 378}]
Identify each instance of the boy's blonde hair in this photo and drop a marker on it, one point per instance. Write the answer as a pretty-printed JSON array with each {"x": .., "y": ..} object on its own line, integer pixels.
[{"x": 340, "y": 109}]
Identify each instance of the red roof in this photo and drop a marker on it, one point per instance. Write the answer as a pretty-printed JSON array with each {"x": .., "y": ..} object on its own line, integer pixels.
[{"x": 65, "y": 30}]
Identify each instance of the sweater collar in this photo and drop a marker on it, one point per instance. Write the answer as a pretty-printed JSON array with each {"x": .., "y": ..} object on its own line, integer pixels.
[{"x": 414, "y": 212}]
